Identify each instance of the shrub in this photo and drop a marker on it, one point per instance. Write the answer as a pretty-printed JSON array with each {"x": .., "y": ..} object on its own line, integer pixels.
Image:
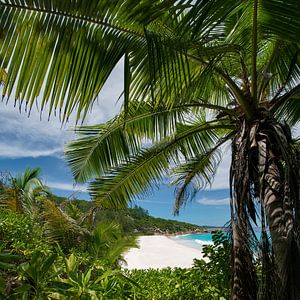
[{"x": 19, "y": 234}]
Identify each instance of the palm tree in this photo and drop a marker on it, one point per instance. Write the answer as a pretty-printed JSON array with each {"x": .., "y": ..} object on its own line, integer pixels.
[
  {"x": 21, "y": 192},
  {"x": 60, "y": 227},
  {"x": 197, "y": 74},
  {"x": 71, "y": 228}
]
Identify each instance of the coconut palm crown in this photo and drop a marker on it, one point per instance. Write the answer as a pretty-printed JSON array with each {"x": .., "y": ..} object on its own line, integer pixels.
[
  {"x": 197, "y": 75},
  {"x": 19, "y": 193}
]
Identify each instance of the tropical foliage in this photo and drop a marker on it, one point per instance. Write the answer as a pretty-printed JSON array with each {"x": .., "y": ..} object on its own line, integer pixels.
[
  {"x": 58, "y": 253},
  {"x": 137, "y": 220},
  {"x": 234, "y": 80},
  {"x": 20, "y": 193},
  {"x": 45, "y": 272},
  {"x": 63, "y": 256},
  {"x": 197, "y": 74},
  {"x": 57, "y": 276},
  {"x": 18, "y": 232}
]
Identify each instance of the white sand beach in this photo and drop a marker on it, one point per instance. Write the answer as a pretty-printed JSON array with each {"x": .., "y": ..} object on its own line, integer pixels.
[{"x": 160, "y": 252}]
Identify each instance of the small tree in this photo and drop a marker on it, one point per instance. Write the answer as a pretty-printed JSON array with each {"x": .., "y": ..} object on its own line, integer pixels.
[{"x": 19, "y": 193}]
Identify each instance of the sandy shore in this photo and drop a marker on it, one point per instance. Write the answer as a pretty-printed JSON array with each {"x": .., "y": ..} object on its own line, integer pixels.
[{"x": 160, "y": 252}]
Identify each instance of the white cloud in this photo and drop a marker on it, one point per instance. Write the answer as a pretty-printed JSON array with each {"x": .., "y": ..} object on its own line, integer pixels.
[
  {"x": 21, "y": 136},
  {"x": 217, "y": 202},
  {"x": 15, "y": 150},
  {"x": 65, "y": 186}
]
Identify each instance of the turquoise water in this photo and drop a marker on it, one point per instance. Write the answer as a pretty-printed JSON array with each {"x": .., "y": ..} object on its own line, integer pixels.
[{"x": 196, "y": 241}]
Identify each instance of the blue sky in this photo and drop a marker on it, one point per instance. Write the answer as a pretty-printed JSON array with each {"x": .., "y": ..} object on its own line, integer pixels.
[{"x": 37, "y": 142}]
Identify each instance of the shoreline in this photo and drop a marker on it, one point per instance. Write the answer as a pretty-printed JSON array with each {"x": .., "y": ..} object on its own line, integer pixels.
[
  {"x": 160, "y": 251},
  {"x": 173, "y": 234}
]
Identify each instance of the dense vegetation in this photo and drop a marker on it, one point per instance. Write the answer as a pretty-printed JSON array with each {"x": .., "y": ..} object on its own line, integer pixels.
[
  {"x": 52, "y": 248},
  {"x": 137, "y": 221},
  {"x": 143, "y": 223},
  {"x": 51, "y": 251},
  {"x": 32, "y": 267},
  {"x": 36, "y": 265}
]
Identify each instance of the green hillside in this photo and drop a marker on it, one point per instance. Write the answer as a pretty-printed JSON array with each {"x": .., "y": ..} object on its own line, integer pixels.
[{"x": 135, "y": 220}]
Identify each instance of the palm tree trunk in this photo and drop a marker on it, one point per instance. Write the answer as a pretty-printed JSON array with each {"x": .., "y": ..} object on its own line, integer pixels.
[
  {"x": 264, "y": 168},
  {"x": 244, "y": 277},
  {"x": 279, "y": 197},
  {"x": 280, "y": 222},
  {"x": 244, "y": 285}
]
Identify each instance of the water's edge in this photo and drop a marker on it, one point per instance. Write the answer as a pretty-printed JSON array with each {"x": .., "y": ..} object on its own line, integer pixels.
[{"x": 196, "y": 241}]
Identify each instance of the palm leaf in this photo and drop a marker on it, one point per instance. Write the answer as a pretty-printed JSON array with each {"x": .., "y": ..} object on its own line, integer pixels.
[
  {"x": 29, "y": 179},
  {"x": 281, "y": 18},
  {"x": 60, "y": 227},
  {"x": 20, "y": 192},
  {"x": 135, "y": 178},
  {"x": 289, "y": 111},
  {"x": 91, "y": 155},
  {"x": 107, "y": 243},
  {"x": 283, "y": 70},
  {"x": 66, "y": 51},
  {"x": 69, "y": 50},
  {"x": 195, "y": 175}
]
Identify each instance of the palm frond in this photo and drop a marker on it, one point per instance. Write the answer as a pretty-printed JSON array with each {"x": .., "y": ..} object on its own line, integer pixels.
[
  {"x": 283, "y": 71},
  {"x": 195, "y": 175},
  {"x": 289, "y": 111},
  {"x": 69, "y": 50},
  {"x": 66, "y": 51},
  {"x": 146, "y": 169},
  {"x": 105, "y": 146},
  {"x": 107, "y": 243},
  {"x": 204, "y": 21},
  {"x": 60, "y": 227},
  {"x": 19, "y": 195},
  {"x": 27, "y": 178},
  {"x": 281, "y": 18}
]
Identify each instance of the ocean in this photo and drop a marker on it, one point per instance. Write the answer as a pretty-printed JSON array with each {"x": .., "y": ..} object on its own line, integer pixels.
[{"x": 196, "y": 241}]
